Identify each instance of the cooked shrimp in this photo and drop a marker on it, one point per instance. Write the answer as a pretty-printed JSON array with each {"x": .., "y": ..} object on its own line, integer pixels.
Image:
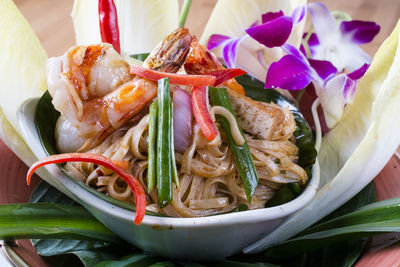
[
  {"x": 92, "y": 88},
  {"x": 201, "y": 61},
  {"x": 82, "y": 74}
]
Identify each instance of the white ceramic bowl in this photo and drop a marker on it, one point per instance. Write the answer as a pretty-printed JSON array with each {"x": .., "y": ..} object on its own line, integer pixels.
[{"x": 205, "y": 238}]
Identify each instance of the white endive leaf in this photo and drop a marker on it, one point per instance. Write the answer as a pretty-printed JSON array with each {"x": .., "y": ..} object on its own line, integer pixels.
[
  {"x": 232, "y": 17},
  {"x": 360, "y": 145},
  {"x": 22, "y": 69},
  {"x": 85, "y": 17},
  {"x": 142, "y": 23},
  {"x": 14, "y": 141}
]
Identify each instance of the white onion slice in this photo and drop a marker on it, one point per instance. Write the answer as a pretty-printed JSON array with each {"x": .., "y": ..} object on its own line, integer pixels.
[{"x": 182, "y": 119}]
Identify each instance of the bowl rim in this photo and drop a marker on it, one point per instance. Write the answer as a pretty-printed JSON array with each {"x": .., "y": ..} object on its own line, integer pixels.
[{"x": 25, "y": 115}]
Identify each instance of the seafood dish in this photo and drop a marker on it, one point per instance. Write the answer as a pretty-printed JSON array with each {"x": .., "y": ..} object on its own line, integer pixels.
[{"x": 106, "y": 109}]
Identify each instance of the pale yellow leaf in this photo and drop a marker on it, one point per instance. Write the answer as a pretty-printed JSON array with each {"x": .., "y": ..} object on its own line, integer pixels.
[{"x": 22, "y": 69}]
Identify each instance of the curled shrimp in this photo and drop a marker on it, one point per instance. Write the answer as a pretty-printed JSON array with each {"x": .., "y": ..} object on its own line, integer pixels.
[
  {"x": 201, "y": 61},
  {"x": 92, "y": 88}
]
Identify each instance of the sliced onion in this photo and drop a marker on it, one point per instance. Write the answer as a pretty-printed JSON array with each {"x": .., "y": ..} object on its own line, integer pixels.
[{"x": 182, "y": 119}]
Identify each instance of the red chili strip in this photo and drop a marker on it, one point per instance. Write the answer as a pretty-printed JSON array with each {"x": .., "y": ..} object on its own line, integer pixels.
[
  {"x": 199, "y": 99},
  {"x": 108, "y": 21},
  {"x": 225, "y": 75},
  {"x": 179, "y": 79},
  {"x": 133, "y": 183}
]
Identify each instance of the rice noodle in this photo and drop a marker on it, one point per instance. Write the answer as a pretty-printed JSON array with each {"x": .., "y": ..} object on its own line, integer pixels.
[
  {"x": 236, "y": 134},
  {"x": 209, "y": 182}
]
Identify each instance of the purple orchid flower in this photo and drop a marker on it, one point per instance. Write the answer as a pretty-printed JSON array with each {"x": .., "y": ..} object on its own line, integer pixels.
[
  {"x": 276, "y": 27},
  {"x": 335, "y": 93},
  {"x": 312, "y": 44},
  {"x": 294, "y": 72},
  {"x": 339, "y": 44},
  {"x": 230, "y": 47},
  {"x": 274, "y": 30}
]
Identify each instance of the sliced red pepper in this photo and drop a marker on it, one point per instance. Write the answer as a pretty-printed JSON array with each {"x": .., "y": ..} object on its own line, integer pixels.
[
  {"x": 225, "y": 75},
  {"x": 199, "y": 99},
  {"x": 179, "y": 79},
  {"x": 108, "y": 21},
  {"x": 133, "y": 183}
]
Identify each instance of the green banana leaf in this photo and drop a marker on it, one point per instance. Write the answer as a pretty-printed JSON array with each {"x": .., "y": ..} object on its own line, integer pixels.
[
  {"x": 42, "y": 220},
  {"x": 89, "y": 252},
  {"x": 379, "y": 217}
]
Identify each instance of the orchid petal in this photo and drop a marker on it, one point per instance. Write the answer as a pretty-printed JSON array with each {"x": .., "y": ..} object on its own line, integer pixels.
[
  {"x": 332, "y": 100},
  {"x": 350, "y": 58},
  {"x": 324, "y": 69},
  {"x": 254, "y": 52},
  {"x": 357, "y": 74},
  {"x": 343, "y": 55},
  {"x": 271, "y": 16},
  {"x": 323, "y": 21},
  {"x": 360, "y": 32},
  {"x": 289, "y": 73},
  {"x": 349, "y": 90},
  {"x": 230, "y": 50},
  {"x": 298, "y": 14},
  {"x": 216, "y": 40},
  {"x": 291, "y": 50},
  {"x": 340, "y": 45},
  {"x": 303, "y": 50},
  {"x": 273, "y": 33},
  {"x": 313, "y": 42}
]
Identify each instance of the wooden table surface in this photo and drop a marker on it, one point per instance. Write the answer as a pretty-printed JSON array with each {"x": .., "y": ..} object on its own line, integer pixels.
[{"x": 52, "y": 23}]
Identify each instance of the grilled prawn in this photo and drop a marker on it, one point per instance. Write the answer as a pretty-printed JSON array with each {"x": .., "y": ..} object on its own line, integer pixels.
[{"x": 92, "y": 88}]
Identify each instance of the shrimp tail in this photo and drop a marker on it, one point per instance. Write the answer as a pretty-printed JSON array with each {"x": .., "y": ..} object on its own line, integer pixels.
[
  {"x": 171, "y": 53},
  {"x": 201, "y": 61}
]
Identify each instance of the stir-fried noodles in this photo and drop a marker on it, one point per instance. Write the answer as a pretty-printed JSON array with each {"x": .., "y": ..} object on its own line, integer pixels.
[
  {"x": 105, "y": 110},
  {"x": 209, "y": 182}
]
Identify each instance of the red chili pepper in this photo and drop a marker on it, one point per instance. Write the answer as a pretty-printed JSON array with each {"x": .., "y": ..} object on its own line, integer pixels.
[
  {"x": 199, "y": 99},
  {"x": 108, "y": 20},
  {"x": 225, "y": 75},
  {"x": 179, "y": 79},
  {"x": 133, "y": 183}
]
